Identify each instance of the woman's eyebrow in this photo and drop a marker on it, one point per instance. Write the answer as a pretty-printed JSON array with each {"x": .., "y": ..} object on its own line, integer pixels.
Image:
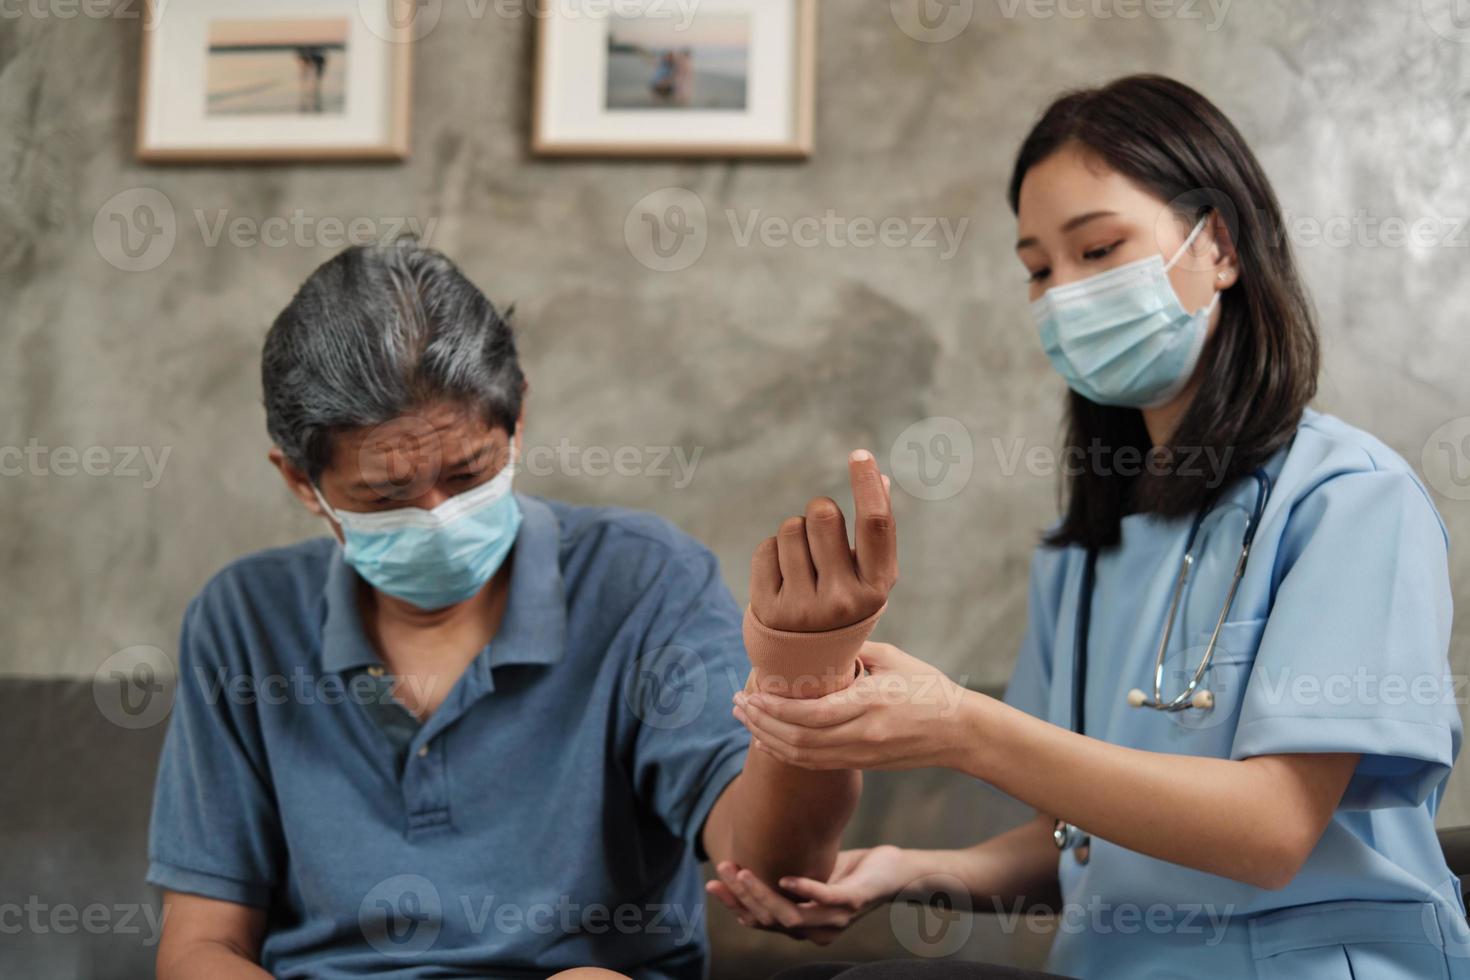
[{"x": 1069, "y": 225}]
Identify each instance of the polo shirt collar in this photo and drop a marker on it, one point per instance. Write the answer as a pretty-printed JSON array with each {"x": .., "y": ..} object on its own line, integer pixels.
[{"x": 533, "y": 630}]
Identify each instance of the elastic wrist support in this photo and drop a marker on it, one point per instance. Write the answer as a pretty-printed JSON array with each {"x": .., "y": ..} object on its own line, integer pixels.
[{"x": 804, "y": 664}]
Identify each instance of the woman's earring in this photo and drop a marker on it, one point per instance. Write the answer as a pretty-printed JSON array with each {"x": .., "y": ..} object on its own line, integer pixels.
[{"x": 1220, "y": 276}]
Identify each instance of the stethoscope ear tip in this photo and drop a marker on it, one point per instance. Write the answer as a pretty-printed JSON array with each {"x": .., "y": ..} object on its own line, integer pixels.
[
  {"x": 1137, "y": 698},
  {"x": 1203, "y": 699}
]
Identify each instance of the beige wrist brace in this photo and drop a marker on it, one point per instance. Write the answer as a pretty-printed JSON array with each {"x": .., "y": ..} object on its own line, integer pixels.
[{"x": 795, "y": 664}]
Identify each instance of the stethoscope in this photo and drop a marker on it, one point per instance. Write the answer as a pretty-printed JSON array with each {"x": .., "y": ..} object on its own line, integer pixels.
[{"x": 1193, "y": 696}]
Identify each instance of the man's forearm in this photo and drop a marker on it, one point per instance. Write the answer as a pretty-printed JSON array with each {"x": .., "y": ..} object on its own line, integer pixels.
[
  {"x": 789, "y": 821},
  {"x": 218, "y": 961}
]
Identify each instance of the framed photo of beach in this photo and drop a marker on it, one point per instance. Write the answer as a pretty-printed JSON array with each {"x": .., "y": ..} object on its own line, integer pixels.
[
  {"x": 663, "y": 78},
  {"x": 225, "y": 80}
]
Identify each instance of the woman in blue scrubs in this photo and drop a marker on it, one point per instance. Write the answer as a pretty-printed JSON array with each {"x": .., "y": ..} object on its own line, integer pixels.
[{"x": 1232, "y": 710}]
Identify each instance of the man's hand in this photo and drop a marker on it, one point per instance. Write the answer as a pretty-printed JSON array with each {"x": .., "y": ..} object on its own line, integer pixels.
[
  {"x": 820, "y": 911},
  {"x": 808, "y": 579}
]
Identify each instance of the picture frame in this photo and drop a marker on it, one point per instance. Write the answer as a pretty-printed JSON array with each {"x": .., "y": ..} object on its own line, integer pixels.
[
  {"x": 735, "y": 79},
  {"x": 274, "y": 80}
]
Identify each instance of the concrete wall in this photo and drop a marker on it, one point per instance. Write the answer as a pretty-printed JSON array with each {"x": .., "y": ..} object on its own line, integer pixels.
[{"x": 769, "y": 361}]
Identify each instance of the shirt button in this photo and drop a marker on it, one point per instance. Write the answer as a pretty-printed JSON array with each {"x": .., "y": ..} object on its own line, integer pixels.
[
  {"x": 375, "y": 671},
  {"x": 423, "y": 750}
]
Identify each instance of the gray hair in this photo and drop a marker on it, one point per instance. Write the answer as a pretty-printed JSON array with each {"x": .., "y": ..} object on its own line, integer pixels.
[{"x": 374, "y": 333}]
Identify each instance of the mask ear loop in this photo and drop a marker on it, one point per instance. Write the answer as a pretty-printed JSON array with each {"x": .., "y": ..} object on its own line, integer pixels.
[
  {"x": 1187, "y": 242},
  {"x": 1215, "y": 300}
]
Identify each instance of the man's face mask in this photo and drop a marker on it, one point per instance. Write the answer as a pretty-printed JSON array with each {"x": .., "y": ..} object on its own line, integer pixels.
[{"x": 434, "y": 558}]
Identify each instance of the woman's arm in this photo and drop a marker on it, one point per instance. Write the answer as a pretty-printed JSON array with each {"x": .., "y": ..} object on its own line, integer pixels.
[{"x": 1254, "y": 820}]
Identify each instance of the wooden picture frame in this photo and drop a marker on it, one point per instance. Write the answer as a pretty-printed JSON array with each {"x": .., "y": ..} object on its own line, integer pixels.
[
  {"x": 170, "y": 130},
  {"x": 552, "y": 137}
]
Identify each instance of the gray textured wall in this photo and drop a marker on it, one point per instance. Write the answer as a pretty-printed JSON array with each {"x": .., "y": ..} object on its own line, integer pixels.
[{"x": 769, "y": 361}]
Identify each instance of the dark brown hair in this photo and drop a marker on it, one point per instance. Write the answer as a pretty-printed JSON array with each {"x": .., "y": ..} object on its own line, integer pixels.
[{"x": 1260, "y": 364}]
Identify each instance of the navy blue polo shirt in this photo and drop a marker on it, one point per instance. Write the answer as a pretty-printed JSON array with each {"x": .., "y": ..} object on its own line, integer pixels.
[{"x": 545, "y": 816}]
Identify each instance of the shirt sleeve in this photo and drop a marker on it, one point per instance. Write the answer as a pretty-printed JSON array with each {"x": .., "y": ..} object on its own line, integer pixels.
[
  {"x": 1353, "y": 657},
  {"x": 1030, "y": 686},
  {"x": 688, "y": 746},
  {"x": 215, "y": 829}
]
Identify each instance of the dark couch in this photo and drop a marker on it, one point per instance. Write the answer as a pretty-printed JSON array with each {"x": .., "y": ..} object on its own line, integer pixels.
[{"x": 74, "y": 805}]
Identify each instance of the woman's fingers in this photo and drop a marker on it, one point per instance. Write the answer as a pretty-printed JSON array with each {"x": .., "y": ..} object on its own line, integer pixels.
[
  {"x": 725, "y": 897},
  {"x": 771, "y": 729},
  {"x": 825, "y": 712},
  {"x": 820, "y": 892}
]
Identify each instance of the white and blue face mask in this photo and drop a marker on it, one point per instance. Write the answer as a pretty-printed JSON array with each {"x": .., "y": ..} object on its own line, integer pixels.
[
  {"x": 434, "y": 558},
  {"x": 1122, "y": 337}
]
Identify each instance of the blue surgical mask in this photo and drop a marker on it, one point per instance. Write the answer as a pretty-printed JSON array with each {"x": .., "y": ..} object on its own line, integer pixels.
[
  {"x": 434, "y": 558},
  {"x": 1122, "y": 337}
]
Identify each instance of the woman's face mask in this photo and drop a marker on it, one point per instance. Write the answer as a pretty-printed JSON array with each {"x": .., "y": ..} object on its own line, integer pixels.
[
  {"x": 439, "y": 557},
  {"x": 1122, "y": 337}
]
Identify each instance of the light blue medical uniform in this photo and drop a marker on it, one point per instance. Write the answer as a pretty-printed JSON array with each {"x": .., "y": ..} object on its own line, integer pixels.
[{"x": 1337, "y": 642}]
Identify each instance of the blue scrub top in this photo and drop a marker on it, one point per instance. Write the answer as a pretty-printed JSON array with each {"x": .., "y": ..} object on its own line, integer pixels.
[
  {"x": 547, "y": 815},
  {"x": 1337, "y": 641}
]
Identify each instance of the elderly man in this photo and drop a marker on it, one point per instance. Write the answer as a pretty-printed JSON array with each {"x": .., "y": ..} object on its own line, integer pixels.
[{"x": 476, "y": 733}]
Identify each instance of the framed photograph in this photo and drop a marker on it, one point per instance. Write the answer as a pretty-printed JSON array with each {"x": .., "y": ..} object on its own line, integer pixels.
[
  {"x": 655, "y": 78},
  {"x": 274, "y": 80}
]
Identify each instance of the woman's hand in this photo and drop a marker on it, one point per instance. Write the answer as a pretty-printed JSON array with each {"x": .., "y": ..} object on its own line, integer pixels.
[
  {"x": 862, "y": 880},
  {"x": 903, "y": 714}
]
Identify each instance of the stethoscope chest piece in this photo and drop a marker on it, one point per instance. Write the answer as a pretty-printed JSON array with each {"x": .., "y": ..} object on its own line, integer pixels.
[{"x": 1068, "y": 837}]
